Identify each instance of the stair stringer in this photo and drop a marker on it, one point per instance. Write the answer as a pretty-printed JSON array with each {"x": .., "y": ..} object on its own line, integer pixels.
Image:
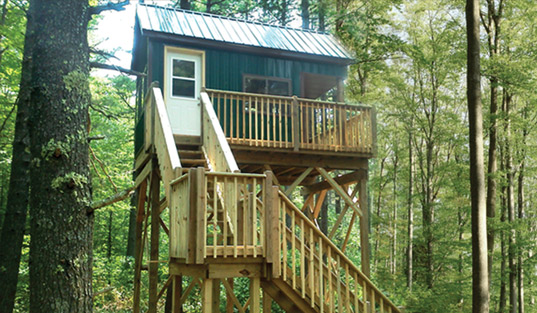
[{"x": 287, "y": 298}]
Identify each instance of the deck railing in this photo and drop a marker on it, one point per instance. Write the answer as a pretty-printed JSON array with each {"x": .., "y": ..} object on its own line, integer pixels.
[
  {"x": 236, "y": 215},
  {"x": 289, "y": 122},
  {"x": 218, "y": 214},
  {"x": 321, "y": 273}
]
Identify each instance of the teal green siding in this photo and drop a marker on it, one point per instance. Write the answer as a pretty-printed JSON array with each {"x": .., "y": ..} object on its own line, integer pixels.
[{"x": 225, "y": 69}]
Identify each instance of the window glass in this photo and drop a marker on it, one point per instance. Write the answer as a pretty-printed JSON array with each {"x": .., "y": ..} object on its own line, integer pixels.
[
  {"x": 254, "y": 85},
  {"x": 266, "y": 85},
  {"x": 183, "y": 68},
  {"x": 183, "y": 88},
  {"x": 278, "y": 88}
]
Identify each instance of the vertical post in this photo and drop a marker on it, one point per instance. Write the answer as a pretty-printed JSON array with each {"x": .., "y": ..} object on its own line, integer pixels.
[
  {"x": 295, "y": 123},
  {"x": 207, "y": 295},
  {"x": 192, "y": 214},
  {"x": 267, "y": 303},
  {"x": 138, "y": 250},
  {"x": 177, "y": 293},
  {"x": 364, "y": 226},
  {"x": 254, "y": 295},
  {"x": 201, "y": 207},
  {"x": 155, "y": 232},
  {"x": 216, "y": 296}
]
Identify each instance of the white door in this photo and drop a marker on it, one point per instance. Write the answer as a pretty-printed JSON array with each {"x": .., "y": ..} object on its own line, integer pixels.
[{"x": 183, "y": 85}]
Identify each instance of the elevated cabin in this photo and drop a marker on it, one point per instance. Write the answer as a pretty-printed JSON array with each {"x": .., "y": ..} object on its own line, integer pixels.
[{"x": 233, "y": 116}]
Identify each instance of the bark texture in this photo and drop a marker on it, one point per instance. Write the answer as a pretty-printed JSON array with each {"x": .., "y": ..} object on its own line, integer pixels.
[
  {"x": 14, "y": 227},
  {"x": 61, "y": 228},
  {"x": 480, "y": 285}
]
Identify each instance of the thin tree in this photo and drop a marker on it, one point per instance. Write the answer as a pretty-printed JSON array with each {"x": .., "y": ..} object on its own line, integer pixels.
[
  {"x": 12, "y": 235},
  {"x": 480, "y": 284}
]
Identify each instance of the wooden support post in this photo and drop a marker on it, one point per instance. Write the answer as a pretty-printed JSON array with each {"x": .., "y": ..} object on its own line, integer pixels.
[
  {"x": 229, "y": 301},
  {"x": 201, "y": 207},
  {"x": 216, "y": 296},
  {"x": 294, "y": 119},
  {"x": 177, "y": 293},
  {"x": 267, "y": 303},
  {"x": 300, "y": 178},
  {"x": 254, "y": 294},
  {"x": 155, "y": 232},
  {"x": 138, "y": 250},
  {"x": 207, "y": 296},
  {"x": 364, "y": 227}
]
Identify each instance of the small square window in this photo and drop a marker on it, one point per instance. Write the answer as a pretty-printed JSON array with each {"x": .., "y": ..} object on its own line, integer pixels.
[{"x": 183, "y": 88}]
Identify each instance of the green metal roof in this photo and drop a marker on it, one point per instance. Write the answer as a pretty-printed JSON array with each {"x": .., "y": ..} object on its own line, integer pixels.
[{"x": 215, "y": 28}]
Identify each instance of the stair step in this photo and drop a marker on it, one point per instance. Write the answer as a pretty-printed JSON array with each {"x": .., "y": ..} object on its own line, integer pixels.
[{"x": 193, "y": 161}]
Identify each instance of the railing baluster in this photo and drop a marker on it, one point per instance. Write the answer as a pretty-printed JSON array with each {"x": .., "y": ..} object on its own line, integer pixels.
[
  {"x": 293, "y": 248},
  {"x": 253, "y": 199},
  {"x": 356, "y": 299},
  {"x": 321, "y": 287},
  {"x": 215, "y": 216},
  {"x": 338, "y": 276},
  {"x": 284, "y": 241},
  {"x": 330, "y": 287},
  {"x": 302, "y": 260},
  {"x": 256, "y": 121},
  {"x": 312, "y": 269},
  {"x": 347, "y": 288}
]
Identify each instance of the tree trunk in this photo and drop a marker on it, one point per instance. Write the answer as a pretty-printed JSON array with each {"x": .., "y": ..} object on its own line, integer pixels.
[
  {"x": 493, "y": 29},
  {"x": 321, "y": 12},
  {"x": 185, "y": 4},
  {"x": 393, "y": 267},
  {"x": 410, "y": 211},
  {"x": 61, "y": 228},
  {"x": 379, "y": 199},
  {"x": 12, "y": 234},
  {"x": 503, "y": 290},
  {"x": 521, "y": 214},
  {"x": 305, "y": 13},
  {"x": 480, "y": 285},
  {"x": 511, "y": 251}
]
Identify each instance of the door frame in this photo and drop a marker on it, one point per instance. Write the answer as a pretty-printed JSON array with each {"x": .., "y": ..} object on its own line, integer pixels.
[{"x": 166, "y": 72}]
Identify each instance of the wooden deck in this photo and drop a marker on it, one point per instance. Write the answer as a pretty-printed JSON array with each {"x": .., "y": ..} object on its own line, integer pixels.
[{"x": 294, "y": 125}]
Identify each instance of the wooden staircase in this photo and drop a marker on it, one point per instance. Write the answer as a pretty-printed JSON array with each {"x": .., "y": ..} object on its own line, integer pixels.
[
  {"x": 192, "y": 156},
  {"x": 219, "y": 216}
]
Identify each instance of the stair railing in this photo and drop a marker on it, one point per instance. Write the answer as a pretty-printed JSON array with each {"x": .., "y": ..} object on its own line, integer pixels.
[
  {"x": 318, "y": 271},
  {"x": 215, "y": 144},
  {"x": 158, "y": 134},
  {"x": 218, "y": 214}
]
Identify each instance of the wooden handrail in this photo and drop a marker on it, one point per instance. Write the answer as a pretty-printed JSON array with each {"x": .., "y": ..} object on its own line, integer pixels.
[
  {"x": 342, "y": 257},
  {"x": 215, "y": 143},
  {"x": 283, "y": 122},
  {"x": 159, "y": 135}
]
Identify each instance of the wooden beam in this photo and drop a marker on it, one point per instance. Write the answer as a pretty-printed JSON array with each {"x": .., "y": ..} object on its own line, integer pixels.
[
  {"x": 155, "y": 232},
  {"x": 319, "y": 203},
  {"x": 349, "y": 230},
  {"x": 339, "y": 190},
  {"x": 341, "y": 180},
  {"x": 232, "y": 296},
  {"x": 333, "y": 161},
  {"x": 143, "y": 174},
  {"x": 298, "y": 181},
  {"x": 342, "y": 214}
]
